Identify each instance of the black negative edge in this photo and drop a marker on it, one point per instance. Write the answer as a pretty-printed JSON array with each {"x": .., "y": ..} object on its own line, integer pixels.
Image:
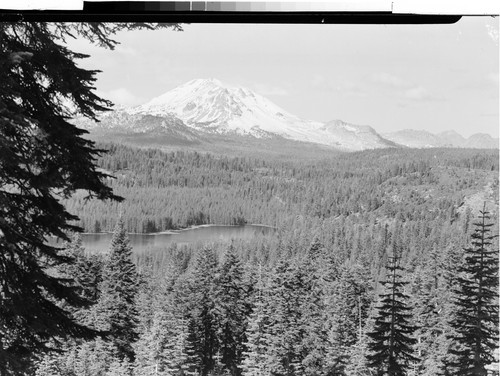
[{"x": 98, "y": 14}]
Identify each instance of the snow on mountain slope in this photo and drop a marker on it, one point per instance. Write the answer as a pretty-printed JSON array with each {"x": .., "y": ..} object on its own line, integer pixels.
[
  {"x": 132, "y": 123},
  {"x": 208, "y": 105},
  {"x": 414, "y": 138},
  {"x": 211, "y": 106},
  {"x": 354, "y": 137}
]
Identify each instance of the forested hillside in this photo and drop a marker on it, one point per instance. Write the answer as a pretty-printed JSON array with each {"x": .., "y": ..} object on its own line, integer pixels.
[{"x": 179, "y": 189}]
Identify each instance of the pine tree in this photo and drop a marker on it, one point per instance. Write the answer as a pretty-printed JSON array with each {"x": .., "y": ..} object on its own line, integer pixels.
[
  {"x": 91, "y": 357},
  {"x": 432, "y": 309},
  {"x": 255, "y": 353},
  {"x": 119, "y": 368},
  {"x": 43, "y": 158},
  {"x": 148, "y": 349},
  {"x": 391, "y": 339},
  {"x": 202, "y": 310},
  {"x": 358, "y": 364},
  {"x": 476, "y": 319},
  {"x": 81, "y": 271},
  {"x": 232, "y": 309},
  {"x": 285, "y": 330},
  {"x": 315, "y": 273},
  {"x": 166, "y": 347},
  {"x": 180, "y": 349},
  {"x": 48, "y": 366},
  {"x": 86, "y": 271},
  {"x": 347, "y": 311},
  {"x": 117, "y": 311},
  {"x": 255, "y": 347}
]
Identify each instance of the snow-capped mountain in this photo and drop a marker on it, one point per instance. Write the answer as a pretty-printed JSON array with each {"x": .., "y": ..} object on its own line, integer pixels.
[
  {"x": 205, "y": 109},
  {"x": 423, "y": 139},
  {"x": 208, "y": 105}
]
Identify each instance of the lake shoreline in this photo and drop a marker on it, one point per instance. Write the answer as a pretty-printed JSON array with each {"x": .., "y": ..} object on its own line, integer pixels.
[
  {"x": 174, "y": 232},
  {"x": 203, "y": 234}
]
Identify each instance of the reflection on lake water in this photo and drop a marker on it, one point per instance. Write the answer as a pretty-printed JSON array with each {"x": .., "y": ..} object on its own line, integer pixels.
[{"x": 206, "y": 234}]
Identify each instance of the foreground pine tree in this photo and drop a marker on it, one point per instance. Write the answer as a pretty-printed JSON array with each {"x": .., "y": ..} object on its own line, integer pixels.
[
  {"x": 255, "y": 355},
  {"x": 202, "y": 311},
  {"x": 432, "y": 308},
  {"x": 285, "y": 331},
  {"x": 476, "y": 319},
  {"x": 391, "y": 340},
  {"x": 314, "y": 271},
  {"x": 43, "y": 158},
  {"x": 232, "y": 310},
  {"x": 348, "y": 305},
  {"x": 117, "y": 311},
  {"x": 86, "y": 271}
]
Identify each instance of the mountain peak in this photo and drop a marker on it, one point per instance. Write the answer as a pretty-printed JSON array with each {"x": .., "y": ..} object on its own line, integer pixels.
[
  {"x": 349, "y": 127},
  {"x": 198, "y": 82},
  {"x": 208, "y": 105},
  {"x": 450, "y": 132}
]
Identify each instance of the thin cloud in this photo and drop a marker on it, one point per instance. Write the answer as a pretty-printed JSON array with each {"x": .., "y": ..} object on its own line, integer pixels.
[
  {"x": 390, "y": 81},
  {"x": 402, "y": 88},
  {"x": 420, "y": 94},
  {"x": 122, "y": 96},
  {"x": 269, "y": 90},
  {"x": 349, "y": 88},
  {"x": 352, "y": 89},
  {"x": 396, "y": 87},
  {"x": 486, "y": 82}
]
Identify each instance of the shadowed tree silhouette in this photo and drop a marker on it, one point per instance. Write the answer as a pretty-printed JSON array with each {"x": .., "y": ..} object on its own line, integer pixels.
[
  {"x": 476, "y": 319},
  {"x": 391, "y": 339},
  {"x": 43, "y": 158}
]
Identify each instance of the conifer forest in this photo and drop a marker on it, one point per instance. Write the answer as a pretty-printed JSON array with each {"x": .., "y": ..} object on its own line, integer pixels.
[
  {"x": 376, "y": 266},
  {"x": 380, "y": 262}
]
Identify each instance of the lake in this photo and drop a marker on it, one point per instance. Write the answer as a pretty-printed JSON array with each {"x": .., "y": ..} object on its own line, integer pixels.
[{"x": 99, "y": 242}]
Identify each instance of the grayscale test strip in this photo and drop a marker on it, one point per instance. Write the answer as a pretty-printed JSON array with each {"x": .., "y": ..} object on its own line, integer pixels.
[{"x": 248, "y": 6}]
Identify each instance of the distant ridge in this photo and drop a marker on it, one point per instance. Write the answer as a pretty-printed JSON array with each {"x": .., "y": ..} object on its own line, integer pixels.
[{"x": 423, "y": 139}]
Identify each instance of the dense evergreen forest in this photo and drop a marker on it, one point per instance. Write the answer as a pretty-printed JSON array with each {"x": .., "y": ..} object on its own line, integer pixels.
[
  {"x": 179, "y": 189},
  {"x": 363, "y": 240}
]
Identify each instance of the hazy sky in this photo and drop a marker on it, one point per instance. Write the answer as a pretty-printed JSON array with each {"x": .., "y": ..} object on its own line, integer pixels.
[{"x": 430, "y": 77}]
